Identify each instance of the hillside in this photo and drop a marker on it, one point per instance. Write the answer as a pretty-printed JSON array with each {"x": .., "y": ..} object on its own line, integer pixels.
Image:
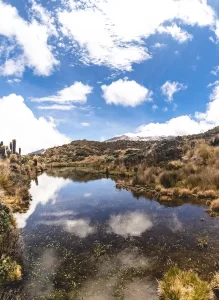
[
  {"x": 127, "y": 152},
  {"x": 186, "y": 167}
]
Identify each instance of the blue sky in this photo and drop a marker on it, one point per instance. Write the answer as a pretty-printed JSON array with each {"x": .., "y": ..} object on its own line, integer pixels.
[{"x": 97, "y": 69}]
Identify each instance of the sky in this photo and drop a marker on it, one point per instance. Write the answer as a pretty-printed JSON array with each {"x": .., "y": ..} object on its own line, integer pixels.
[{"x": 96, "y": 69}]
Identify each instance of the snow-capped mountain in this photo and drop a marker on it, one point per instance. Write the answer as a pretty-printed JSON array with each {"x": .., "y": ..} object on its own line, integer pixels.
[{"x": 139, "y": 138}]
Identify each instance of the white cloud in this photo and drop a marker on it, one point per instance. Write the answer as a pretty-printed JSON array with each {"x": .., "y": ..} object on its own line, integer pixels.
[
  {"x": 47, "y": 190},
  {"x": 126, "y": 93},
  {"x": 77, "y": 92},
  {"x": 216, "y": 31},
  {"x": 130, "y": 224},
  {"x": 114, "y": 32},
  {"x": 56, "y": 107},
  {"x": 18, "y": 121},
  {"x": 15, "y": 80},
  {"x": 184, "y": 125},
  {"x": 158, "y": 46},
  {"x": 84, "y": 124},
  {"x": 214, "y": 83},
  {"x": 177, "y": 126},
  {"x": 14, "y": 67},
  {"x": 31, "y": 38},
  {"x": 154, "y": 107},
  {"x": 176, "y": 32},
  {"x": 215, "y": 71},
  {"x": 170, "y": 88},
  {"x": 165, "y": 109}
]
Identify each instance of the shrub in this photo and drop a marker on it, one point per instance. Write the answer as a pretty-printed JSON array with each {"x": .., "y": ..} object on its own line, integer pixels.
[
  {"x": 13, "y": 158},
  {"x": 182, "y": 285},
  {"x": 5, "y": 218},
  {"x": 23, "y": 193},
  {"x": 204, "y": 152},
  {"x": 169, "y": 179},
  {"x": 9, "y": 270}
]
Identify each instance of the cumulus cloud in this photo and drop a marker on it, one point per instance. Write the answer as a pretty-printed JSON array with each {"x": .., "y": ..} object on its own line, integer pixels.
[
  {"x": 176, "y": 32},
  {"x": 169, "y": 88},
  {"x": 186, "y": 124},
  {"x": 126, "y": 93},
  {"x": 46, "y": 190},
  {"x": 114, "y": 32},
  {"x": 130, "y": 224},
  {"x": 14, "y": 67},
  {"x": 31, "y": 39},
  {"x": 175, "y": 127},
  {"x": 18, "y": 121},
  {"x": 76, "y": 93}
]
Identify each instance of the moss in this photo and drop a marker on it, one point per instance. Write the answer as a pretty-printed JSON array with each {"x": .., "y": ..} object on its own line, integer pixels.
[{"x": 183, "y": 285}]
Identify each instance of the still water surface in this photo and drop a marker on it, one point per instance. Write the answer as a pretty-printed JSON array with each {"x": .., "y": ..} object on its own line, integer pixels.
[{"x": 85, "y": 239}]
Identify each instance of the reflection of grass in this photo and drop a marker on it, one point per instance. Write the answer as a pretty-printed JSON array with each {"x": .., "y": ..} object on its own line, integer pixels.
[{"x": 183, "y": 285}]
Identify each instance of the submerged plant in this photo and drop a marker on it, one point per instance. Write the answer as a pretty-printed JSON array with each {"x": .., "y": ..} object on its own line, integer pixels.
[{"x": 183, "y": 285}]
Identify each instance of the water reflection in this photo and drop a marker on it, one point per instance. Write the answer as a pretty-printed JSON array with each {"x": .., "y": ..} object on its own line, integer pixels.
[
  {"x": 44, "y": 270},
  {"x": 80, "y": 228},
  {"x": 87, "y": 240},
  {"x": 130, "y": 224},
  {"x": 45, "y": 190}
]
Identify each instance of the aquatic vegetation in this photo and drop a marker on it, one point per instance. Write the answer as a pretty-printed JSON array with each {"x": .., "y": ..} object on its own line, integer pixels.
[
  {"x": 183, "y": 285},
  {"x": 202, "y": 243}
]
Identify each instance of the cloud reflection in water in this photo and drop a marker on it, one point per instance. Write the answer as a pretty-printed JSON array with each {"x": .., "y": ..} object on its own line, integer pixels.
[
  {"x": 47, "y": 190},
  {"x": 129, "y": 224},
  {"x": 80, "y": 227}
]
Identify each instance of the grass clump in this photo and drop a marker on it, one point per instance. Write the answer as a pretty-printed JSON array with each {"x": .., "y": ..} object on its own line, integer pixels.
[
  {"x": 169, "y": 179},
  {"x": 215, "y": 284},
  {"x": 214, "y": 207},
  {"x": 183, "y": 285}
]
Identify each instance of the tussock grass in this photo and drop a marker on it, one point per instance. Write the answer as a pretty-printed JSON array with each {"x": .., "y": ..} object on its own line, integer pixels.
[
  {"x": 183, "y": 285},
  {"x": 214, "y": 207}
]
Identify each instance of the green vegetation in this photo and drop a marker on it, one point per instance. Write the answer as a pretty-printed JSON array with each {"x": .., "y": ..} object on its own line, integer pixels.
[
  {"x": 183, "y": 285},
  {"x": 10, "y": 270},
  {"x": 15, "y": 175}
]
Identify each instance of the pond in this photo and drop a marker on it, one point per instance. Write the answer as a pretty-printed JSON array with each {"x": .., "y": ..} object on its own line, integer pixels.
[{"x": 85, "y": 239}]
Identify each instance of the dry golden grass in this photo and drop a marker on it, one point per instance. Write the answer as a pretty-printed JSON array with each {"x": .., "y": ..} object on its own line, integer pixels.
[
  {"x": 214, "y": 207},
  {"x": 215, "y": 282},
  {"x": 182, "y": 285}
]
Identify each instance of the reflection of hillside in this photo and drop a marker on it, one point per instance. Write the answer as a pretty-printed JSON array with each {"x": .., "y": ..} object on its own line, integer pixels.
[
  {"x": 46, "y": 190},
  {"x": 77, "y": 175}
]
